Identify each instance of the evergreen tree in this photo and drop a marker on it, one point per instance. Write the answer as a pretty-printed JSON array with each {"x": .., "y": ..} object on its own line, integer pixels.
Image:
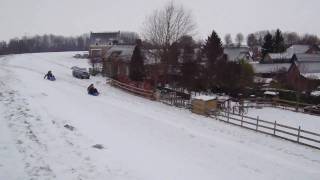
[
  {"x": 278, "y": 42},
  {"x": 267, "y": 46},
  {"x": 189, "y": 66},
  {"x": 213, "y": 49},
  {"x": 136, "y": 70}
]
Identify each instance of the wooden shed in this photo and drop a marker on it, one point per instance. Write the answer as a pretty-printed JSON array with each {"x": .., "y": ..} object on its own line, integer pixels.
[{"x": 203, "y": 105}]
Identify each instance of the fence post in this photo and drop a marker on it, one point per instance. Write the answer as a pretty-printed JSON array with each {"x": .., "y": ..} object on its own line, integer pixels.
[
  {"x": 228, "y": 115},
  {"x": 275, "y": 126},
  {"x": 299, "y": 130},
  {"x": 257, "y": 123},
  {"x": 242, "y": 120}
]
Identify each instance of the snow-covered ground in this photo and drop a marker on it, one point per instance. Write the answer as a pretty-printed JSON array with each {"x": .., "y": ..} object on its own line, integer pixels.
[
  {"x": 142, "y": 139},
  {"x": 286, "y": 117}
]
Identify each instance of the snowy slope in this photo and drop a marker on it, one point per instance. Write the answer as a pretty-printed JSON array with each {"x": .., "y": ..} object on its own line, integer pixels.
[{"x": 142, "y": 139}]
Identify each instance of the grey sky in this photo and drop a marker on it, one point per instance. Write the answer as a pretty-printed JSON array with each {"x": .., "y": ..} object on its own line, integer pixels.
[{"x": 74, "y": 17}]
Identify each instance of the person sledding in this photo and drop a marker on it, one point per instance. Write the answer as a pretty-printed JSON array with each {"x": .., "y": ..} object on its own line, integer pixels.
[
  {"x": 49, "y": 76},
  {"x": 92, "y": 90}
]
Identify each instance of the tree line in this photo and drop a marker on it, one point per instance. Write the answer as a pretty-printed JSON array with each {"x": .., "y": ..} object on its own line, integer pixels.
[
  {"x": 44, "y": 43},
  {"x": 186, "y": 63},
  {"x": 289, "y": 38}
]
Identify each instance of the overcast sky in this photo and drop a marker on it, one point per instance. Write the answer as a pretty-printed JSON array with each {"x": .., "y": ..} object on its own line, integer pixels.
[{"x": 75, "y": 17}]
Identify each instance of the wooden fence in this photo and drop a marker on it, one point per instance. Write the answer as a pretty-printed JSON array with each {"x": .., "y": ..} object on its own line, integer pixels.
[
  {"x": 282, "y": 104},
  {"x": 132, "y": 89},
  {"x": 297, "y": 135},
  {"x": 174, "y": 99}
]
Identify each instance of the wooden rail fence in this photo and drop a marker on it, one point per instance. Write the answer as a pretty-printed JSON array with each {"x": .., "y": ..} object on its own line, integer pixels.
[
  {"x": 173, "y": 99},
  {"x": 297, "y": 135},
  {"x": 132, "y": 89}
]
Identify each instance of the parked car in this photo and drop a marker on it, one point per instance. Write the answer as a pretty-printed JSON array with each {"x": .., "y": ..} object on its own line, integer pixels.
[
  {"x": 313, "y": 109},
  {"x": 80, "y": 73}
]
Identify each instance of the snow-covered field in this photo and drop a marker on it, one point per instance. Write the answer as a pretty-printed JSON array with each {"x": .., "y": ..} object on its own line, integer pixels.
[{"x": 142, "y": 139}]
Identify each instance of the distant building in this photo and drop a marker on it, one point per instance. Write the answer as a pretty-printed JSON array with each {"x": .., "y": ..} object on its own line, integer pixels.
[
  {"x": 303, "y": 49},
  {"x": 269, "y": 70},
  {"x": 287, "y": 56},
  {"x": 277, "y": 58},
  {"x": 117, "y": 61},
  {"x": 304, "y": 72},
  {"x": 100, "y": 42},
  {"x": 104, "y": 38},
  {"x": 236, "y": 54}
]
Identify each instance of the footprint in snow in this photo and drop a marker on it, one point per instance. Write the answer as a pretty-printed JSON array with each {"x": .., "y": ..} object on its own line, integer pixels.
[
  {"x": 98, "y": 146},
  {"x": 71, "y": 128}
]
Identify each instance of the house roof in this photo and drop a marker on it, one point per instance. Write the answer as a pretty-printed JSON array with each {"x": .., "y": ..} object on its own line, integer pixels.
[
  {"x": 307, "y": 57},
  {"x": 124, "y": 52},
  {"x": 104, "y": 37},
  {"x": 298, "y": 49},
  {"x": 269, "y": 68},
  {"x": 315, "y": 76},
  {"x": 236, "y": 53},
  {"x": 284, "y": 55},
  {"x": 205, "y": 98},
  {"x": 308, "y": 67},
  {"x": 120, "y": 51}
]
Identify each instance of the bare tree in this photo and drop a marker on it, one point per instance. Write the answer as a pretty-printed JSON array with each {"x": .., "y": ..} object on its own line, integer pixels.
[
  {"x": 239, "y": 39},
  {"x": 252, "y": 41},
  {"x": 168, "y": 25},
  {"x": 291, "y": 38},
  {"x": 228, "y": 40}
]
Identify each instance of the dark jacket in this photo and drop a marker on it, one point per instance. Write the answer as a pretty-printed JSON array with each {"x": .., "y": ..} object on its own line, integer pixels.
[{"x": 49, "y": 75}]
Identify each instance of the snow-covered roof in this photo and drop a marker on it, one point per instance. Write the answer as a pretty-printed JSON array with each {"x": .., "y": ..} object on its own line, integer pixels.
[
  {"x": 315, "y": 76},
  {"x": 269, "y": 68},
  {"x": 262, "y": 80},
  {"x": 298, "y": 49},
  {"x": 308, "y": 65},
  {"x": 284, "y": 55},
  {"x": 307, "y": 57},
  {"x": 205, "y": 98},
  {"x": 315, "y": 93},
  {"x": 271, "y": 93},
  {"x": 121, "y": 51},
  {"x": 237, "y": 53}
]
